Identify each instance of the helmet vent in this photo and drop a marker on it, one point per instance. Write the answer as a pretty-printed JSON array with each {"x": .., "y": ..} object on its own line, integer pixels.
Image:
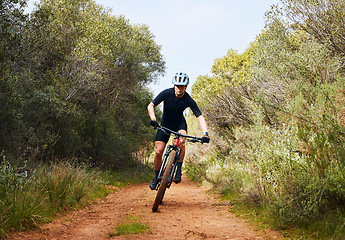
[{"x": 180, "y": 78}]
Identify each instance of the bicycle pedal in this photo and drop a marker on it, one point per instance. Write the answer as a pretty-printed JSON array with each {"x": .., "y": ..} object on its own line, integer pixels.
[{"x": 158, "y": 186}]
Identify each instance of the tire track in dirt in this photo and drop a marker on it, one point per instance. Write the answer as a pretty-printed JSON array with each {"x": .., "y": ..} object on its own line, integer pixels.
[{"x": 187, "y": 212}]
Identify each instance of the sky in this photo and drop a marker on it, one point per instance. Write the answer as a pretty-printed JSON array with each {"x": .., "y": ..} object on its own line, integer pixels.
[{"x": 193, "y": 33}]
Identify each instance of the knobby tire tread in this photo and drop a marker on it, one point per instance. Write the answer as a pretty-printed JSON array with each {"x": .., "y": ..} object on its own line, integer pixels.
[{"x": 164, "y": 182}]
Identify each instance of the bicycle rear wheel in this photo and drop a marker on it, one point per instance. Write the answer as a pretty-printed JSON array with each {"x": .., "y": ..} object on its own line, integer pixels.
[{"x": 164, "y": 182}]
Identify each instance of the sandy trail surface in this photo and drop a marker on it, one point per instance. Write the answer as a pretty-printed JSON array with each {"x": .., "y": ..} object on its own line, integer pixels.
[{"x": 187, "y": 212}]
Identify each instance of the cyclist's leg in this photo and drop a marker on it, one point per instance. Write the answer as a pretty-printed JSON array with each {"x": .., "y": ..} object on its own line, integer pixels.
[
  {"x": 160, "y": 143},
  {"x": 161, "y": 140},
  {"x": 159, "y": 149},
  {"x": 182, "y": 128},
  {"x": 182, "y": 145}
]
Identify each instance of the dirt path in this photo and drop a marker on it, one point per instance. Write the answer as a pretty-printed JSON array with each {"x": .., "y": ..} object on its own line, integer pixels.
[{"x": 188, "y": 212}]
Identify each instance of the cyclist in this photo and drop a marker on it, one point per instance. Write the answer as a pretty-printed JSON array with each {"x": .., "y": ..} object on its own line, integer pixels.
[{"x": 176, "y": 100}]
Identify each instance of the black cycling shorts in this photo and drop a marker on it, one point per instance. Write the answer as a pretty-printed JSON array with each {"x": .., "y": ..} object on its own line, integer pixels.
[{"x": 164, "y": 137}]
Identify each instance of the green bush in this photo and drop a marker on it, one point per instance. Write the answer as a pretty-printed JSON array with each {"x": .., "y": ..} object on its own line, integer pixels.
[
  {"x": 78, "y": 90},
  {"x": 31, "y": 196},
  {"x": 288, "y": 160}
]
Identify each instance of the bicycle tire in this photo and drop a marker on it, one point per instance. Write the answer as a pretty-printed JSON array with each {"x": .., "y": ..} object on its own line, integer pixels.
[
  {"x": 163, "y": 196},
  {"x": 164, "y": 182}
]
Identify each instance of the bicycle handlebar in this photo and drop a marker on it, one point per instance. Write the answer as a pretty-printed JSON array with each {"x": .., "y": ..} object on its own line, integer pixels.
[{"x": 192, "y": 138}]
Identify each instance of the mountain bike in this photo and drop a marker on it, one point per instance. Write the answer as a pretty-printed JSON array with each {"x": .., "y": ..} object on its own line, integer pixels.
[{"x": 169, "y": 164}]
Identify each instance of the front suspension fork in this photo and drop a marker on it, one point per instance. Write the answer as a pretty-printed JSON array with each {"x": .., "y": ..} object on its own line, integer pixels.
[
  {"x": 165, "y": 159},
  {"x": 173, "y": 170}
]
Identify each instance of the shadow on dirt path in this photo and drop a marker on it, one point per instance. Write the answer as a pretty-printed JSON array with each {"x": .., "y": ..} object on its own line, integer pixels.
[{"x": 187, "y": 212}]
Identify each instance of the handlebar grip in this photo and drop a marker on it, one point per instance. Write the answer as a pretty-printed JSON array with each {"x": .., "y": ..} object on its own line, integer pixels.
[
  {"x": 154, "y": 124},
  {"x": 205, "y": 139}
]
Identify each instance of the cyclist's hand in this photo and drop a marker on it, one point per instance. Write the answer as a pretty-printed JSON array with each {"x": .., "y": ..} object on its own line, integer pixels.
[
  {"x": 154, "y": 123},
  {"x": 205, "y": 139}
]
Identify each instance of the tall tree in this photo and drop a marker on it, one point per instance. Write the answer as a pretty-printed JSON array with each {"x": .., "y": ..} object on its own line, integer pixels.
[
  {"x": 224, "y": 94},
  {"x": 79, "y": 81},
  {"x": 12, "y": 22},
  {"x": 325, "y": 20}
]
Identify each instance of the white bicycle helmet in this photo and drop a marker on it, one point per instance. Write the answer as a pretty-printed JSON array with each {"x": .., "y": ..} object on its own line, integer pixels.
[{"x": 180, "y": 78}]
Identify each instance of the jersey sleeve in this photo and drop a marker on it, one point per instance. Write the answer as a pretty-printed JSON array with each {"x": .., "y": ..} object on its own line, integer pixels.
[
  {"x": 160, "y": 97},
  {"x": 194, "y": 107}
]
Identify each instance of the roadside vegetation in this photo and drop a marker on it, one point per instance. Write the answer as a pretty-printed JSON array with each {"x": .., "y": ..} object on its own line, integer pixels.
[
  {"x": 278, "y": 109},
  {"x": 73, "y": 115},
  {"x": 130, "y": 225},
  {"x": 33, "y": 195},
  {"x": 73, "y": 83},
  {"x": 73, "y": 100}
]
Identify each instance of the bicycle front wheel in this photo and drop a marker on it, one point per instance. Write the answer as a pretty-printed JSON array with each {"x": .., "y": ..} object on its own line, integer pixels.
[{"x": 164, "y": 182}]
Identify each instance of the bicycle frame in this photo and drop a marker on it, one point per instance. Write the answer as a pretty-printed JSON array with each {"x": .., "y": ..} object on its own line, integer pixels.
[
  {"x": 169, "y": 149},
  {"x": 169, "y": 165}
]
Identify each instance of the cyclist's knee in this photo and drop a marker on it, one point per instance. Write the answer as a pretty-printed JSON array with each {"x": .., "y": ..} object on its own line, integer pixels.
[
  {"x": 159, "y": 152},
  {"x": 159, "y": 148},
  {"x": 182, "y": 131}
]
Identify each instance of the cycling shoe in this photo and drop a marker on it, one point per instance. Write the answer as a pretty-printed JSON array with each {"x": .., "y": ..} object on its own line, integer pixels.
[
  {"x": 177, "y": 178},
  {"x": 154, "y": 183}
]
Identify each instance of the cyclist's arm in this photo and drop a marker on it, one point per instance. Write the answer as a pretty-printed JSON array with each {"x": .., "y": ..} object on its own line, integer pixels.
[
  {"x": 151, "y": 111},
  {"x": 202, "y": 123}
]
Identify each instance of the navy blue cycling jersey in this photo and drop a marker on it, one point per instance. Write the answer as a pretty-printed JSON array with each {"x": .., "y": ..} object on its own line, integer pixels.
[{"x": 174, "y": 107}]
